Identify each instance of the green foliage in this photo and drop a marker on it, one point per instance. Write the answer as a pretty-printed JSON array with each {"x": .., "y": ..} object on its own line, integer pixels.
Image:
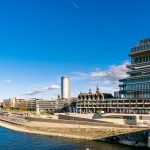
[
  {"x": 98, "y": 111},
  {"x": 47, "y": 113}
]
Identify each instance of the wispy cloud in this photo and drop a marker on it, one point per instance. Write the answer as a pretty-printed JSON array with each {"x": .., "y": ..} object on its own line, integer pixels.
[
  {"x": 107, "y": 80},
  {"x": 112, "y": 75},
  {"x": 43, "y": 90},
  {"x": 52, "y": 87},
  {"x": 78, "y": 75},
  {"x": 7, "y": 81},
  {"x": 75, "y": 5}
]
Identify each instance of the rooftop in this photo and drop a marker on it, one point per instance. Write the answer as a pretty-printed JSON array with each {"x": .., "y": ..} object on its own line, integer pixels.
[{"x": 145, "y": 41}]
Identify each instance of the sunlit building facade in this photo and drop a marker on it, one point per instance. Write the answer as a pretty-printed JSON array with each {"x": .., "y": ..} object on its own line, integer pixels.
[
  {"x": 65, "y": 87},
  {"x": 92, "y": 102},
  {"x": 137, "y": 85},
  {"x": 134, "y": 94}
]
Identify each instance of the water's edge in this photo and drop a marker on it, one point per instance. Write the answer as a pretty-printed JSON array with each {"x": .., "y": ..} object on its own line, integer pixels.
[{"x": 25, "y": 129}]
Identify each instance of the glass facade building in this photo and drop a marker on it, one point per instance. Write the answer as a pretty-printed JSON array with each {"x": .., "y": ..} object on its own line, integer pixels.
[
  {"x": 137, "y": 85},
  {"x": 134, "y": 94}
]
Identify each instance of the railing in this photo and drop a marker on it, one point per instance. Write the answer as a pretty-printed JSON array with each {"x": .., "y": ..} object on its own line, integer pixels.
[{"x": 140, "y": 48}]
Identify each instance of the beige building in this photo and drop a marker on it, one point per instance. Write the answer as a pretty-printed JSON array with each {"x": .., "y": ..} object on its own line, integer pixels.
[
  {"x": 51, "y": 105},
  {"x": 15, "y": 103},
  {"x": 92, "y": 102},
  {"x": 32, "y": 104}
]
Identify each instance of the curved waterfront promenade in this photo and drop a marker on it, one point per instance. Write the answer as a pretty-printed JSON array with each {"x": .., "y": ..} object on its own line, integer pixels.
[{"x": 79, "y": 131}]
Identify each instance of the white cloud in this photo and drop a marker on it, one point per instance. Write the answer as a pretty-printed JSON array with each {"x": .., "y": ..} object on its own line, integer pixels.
[
  {"x": 52, "y": 87},
  {"x": 98, "y": 74},
  {"x": 78, "y": 76},
  {"x": 43, "y": 90},
  {"x": 35, "y": 92},
  {"x": 7, "y": 81},
  {"x": 107, "y": 80},
  {"x": 112, "y": 75}
]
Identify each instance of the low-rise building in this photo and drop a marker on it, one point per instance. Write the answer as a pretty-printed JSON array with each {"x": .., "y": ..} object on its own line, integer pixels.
[
  {"x": 31, "y": 103},
  {"x": 15, "y": 103},
  {"x": 51, "y": 105},
  {"x": 92, "y": 102}
]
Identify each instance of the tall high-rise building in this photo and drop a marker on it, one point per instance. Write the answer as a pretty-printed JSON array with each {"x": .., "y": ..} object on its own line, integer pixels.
[
  {"x": 137, "y": 85},
  {"x": 65, "y": 87}
]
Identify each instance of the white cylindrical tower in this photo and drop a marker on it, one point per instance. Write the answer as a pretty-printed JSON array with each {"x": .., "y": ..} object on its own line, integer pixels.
[{"x": 65, "y": 87}]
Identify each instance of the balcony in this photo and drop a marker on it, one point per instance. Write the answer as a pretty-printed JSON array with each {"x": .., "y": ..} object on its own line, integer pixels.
[
  {"x": 140, "y": 49},
  {"x": 138, "y": 64},
  {"x": 139, "y": 70}
]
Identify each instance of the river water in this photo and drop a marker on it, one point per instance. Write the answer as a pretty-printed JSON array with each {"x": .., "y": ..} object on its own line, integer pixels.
[{"x": 12, "y": 140}]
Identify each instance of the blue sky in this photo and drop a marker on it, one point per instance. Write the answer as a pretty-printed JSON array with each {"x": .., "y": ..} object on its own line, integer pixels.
[{"x": 88, "y": 40}]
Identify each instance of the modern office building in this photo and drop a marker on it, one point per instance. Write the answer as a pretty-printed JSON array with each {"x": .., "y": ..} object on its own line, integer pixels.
[
  {"x": 134, "y": 94},
  {"x": 51, "y": 105},
  {"x": 137, "y": 85},
  {"x": 65, "y": 87},
  {"x": 117, "y": 94},
  {"x": 31, "y": 103}
]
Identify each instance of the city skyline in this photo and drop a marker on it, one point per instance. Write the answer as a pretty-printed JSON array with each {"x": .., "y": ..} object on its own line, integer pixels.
[{"x": 42, "y": 41}]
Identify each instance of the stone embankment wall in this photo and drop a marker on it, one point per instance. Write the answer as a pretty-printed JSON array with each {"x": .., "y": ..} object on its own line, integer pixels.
[
  {"x": 100, "y": 129},
  {"x": 74, "y": 120},
  {"x": 80, "y": 132},
  {"x": 72, "y": 128},
  {"x": 67, "y": 117}
]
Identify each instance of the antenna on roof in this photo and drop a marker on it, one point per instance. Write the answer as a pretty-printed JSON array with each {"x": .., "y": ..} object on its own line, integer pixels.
[
  {"x": 97, "y": 89},
  {"x": 90, "y": 91}
]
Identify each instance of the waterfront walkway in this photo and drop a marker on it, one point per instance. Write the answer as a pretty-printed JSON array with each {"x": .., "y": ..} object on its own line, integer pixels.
[{"x": 64, "y": 129}]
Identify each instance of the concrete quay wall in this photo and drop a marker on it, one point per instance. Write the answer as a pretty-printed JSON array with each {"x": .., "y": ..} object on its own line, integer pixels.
[
  {"x": 71, "y": 120},
  {"x": 78, "y": 131}
]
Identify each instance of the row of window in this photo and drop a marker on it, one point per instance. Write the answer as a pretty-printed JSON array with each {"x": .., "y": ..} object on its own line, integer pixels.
[
  {"x": 140, "y": 48},
  {"x": 140, "y": 59},
  {"x": 139, "y": 74},
  {"x": 136, "y": 81},
  {"x": 140, "y": 94},
  {"x": 136, "y": 87}
]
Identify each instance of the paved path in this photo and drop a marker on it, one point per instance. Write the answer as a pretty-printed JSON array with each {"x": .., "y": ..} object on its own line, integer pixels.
[{"x": 65, "y": 130}]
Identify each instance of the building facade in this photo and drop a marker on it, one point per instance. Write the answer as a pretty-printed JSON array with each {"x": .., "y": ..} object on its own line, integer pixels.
[
  {"x": 31, "y": 103},
  {"x": 51, "y": 105},
  {"x": 65, "y": 88},
  {"x": 112, "y": 105},
  {"x": 34, "y": 103},
  {"x": 15, "y": 103},
  {"x": 134, "y": 94},
  {"x": 92, "y": 102},
  {"x": 137, "y": 85}
]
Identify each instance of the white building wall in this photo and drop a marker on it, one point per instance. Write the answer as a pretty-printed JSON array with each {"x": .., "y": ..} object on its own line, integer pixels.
[{"x": 65, "y": 88}]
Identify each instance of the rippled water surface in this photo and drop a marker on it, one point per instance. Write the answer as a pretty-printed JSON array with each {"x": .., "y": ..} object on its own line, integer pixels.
[{"x": 12, "y": 140}]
